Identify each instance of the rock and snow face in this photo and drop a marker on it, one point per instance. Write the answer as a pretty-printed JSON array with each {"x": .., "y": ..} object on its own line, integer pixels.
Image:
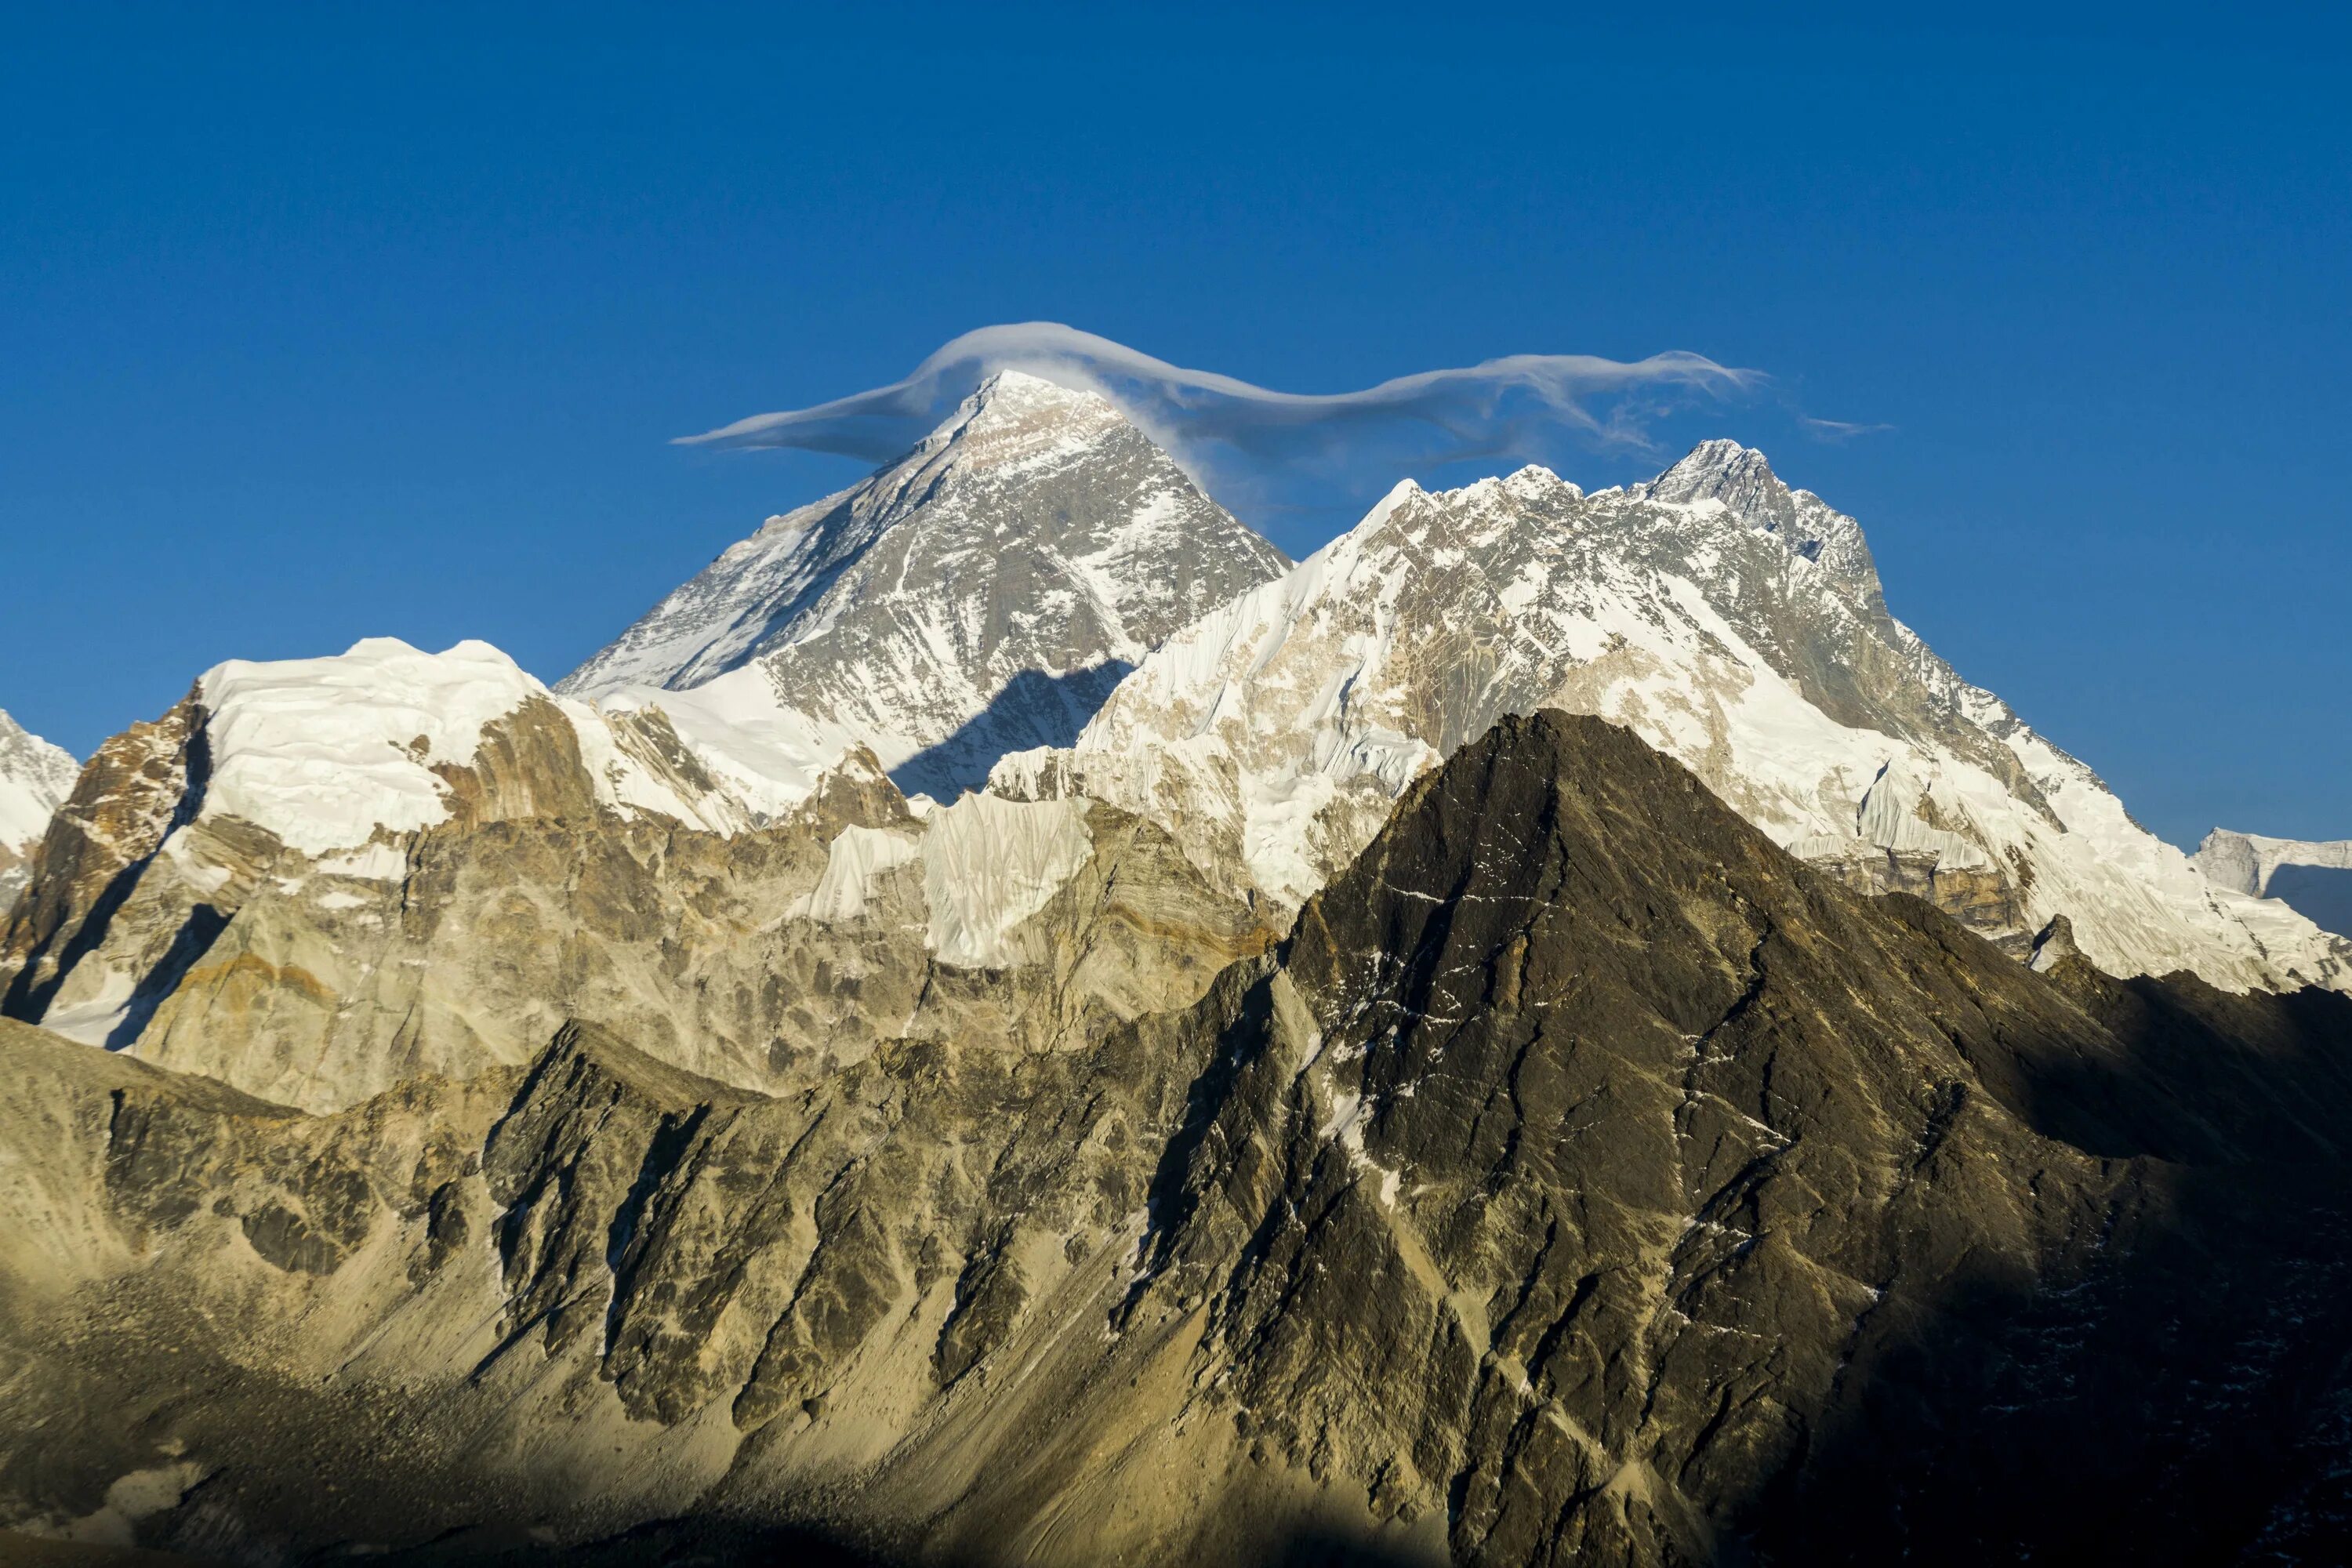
[
  {"x": 1735, "y": 624},
  {"x": 314, "y": 777},
  {"x": 34, "y": 778},
  {"x": 981, "y": 594},
  {"x": 317, "y": 879},
  {"x": 2312, "y": 877}
]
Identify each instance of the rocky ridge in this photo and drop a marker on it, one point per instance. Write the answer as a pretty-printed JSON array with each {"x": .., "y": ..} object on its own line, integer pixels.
[
  {"x": 1733, "y": 622},
  {"x": 1584, "y": 1179}
]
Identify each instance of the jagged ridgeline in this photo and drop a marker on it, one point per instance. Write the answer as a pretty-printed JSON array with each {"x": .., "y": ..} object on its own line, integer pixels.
[
  {"x": 1583, "y": 1179},
  {"x": 1005, "y": 1022}
]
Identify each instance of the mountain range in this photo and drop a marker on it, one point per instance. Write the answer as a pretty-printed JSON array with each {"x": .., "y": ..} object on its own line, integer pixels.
[
  {"x": 1733, "y": 623},
  {"x": 1005, "y": 1021}
]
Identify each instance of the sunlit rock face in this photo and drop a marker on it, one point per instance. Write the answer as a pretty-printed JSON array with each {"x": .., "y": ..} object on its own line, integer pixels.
[{"x": 317, "y": 879}]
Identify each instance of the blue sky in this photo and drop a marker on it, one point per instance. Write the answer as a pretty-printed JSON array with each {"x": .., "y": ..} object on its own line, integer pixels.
[{"x": 330, "y": 322}]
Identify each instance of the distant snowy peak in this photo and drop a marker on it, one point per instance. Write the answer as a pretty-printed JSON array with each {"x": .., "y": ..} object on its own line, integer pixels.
[
  {"x": 1742, "y": 481},
  {"x": 2312, "y": 877},
  {"x": 34, "y": 779},
  {"x": 983, "y": 593},
  {"x": 1731, "y": 622}
]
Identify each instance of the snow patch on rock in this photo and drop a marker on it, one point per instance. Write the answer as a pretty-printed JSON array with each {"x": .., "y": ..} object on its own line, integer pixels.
[{"x": 857, "y": 860}]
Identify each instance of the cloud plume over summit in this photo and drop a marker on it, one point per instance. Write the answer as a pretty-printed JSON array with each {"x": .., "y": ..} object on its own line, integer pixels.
[
  {"x": 1496, "y": 407},
  {"x": 1273, "y": 454}
]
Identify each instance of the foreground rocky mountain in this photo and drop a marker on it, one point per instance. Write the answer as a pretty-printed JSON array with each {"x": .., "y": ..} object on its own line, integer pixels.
[
  {"x": 2313, "y": 878},
  {"x": 34, "y": 778},
  {"x": 981, "y": 594},
  {"x": 1584, "y": 1179},
  {"x": 317, "y": 879},
  {"x": 1733, "y": 622}
]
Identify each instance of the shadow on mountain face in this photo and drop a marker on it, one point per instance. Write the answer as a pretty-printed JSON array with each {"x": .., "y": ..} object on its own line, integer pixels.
[
  {"x": 1973, "y": 1264},
  {"x": 1034, "y": 709},
  {"x": 2176, "y": 1390}
]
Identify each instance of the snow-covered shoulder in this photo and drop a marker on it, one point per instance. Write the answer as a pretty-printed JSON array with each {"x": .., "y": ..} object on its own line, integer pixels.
[
  {"x": 330, "y": 753},
  {"x": 766, "y": 754},
  {"x": 323, "y": 752}
]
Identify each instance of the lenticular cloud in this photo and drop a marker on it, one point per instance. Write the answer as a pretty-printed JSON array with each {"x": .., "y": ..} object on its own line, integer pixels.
[{"x": 1516, "y": 407}]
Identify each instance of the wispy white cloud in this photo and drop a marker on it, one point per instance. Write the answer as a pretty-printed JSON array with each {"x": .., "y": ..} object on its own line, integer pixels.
[
  {"x": 1499, "y": 407},
  {"x": 1837, "y": 429},
  {"x": 1303, "y": 465}
]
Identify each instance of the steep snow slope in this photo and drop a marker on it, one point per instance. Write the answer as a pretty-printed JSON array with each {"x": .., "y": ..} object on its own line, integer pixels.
[
  {"x": 981, "y": 594},
  {"x": 34, "y": 777},
  {"x": 1734, "y": 623},
  {"x": 2313, "y": 878}
]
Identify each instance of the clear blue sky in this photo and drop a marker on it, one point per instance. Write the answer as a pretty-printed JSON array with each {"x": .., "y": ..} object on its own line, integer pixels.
[{"x": 328, "y": 322}]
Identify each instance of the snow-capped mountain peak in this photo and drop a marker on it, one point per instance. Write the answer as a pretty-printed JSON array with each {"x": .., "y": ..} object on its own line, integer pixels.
[
  {"x": 982, "y": 594},
  {"x": 1732, "y": 622},
  {"x": 1012, "y": 401},
  {"x": 1740, "y": 476}
]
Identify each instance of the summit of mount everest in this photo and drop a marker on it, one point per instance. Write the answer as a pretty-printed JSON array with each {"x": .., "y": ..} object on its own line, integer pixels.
[{"x": 981, "y": 594}]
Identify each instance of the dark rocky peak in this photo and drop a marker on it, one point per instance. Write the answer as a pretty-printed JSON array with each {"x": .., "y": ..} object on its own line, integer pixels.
[{"x": 1689, "y": 1208}]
